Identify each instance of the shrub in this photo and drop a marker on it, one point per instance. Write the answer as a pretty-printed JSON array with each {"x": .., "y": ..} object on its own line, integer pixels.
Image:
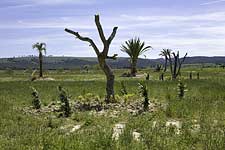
[
  {"x": 129, "y": 97},
  {"x": 64, "y": 98},
  {"x": 181, "y": 89},
  {"x": 143, "y": 90},
  {"x": 36, "y": 101},
  {"x": 88, "y": 97}
]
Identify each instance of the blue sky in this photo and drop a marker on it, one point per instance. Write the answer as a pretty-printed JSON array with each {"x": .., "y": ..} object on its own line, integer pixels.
[{"x": 193, "y": 26}]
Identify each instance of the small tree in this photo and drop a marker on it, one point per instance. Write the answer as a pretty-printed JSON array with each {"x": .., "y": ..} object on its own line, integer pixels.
[
  {"x": 143, "y": 90},
  {"x": 36, "y": 101},
  {"x": 64, "y": 99},
  {"x": 40, "y": 47},
  {"x": 181, "y": 89},
  {"x": 134, "y": 48},
  {"x": 175, "y": 63},
  {"x": 102, "y": 56}
]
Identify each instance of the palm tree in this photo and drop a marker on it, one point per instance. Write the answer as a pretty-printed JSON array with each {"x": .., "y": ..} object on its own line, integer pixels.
[
  {"x": 134, "y": 48},
  {"x": 164, "y": 53},
  {"x": 40, "y": 47}
]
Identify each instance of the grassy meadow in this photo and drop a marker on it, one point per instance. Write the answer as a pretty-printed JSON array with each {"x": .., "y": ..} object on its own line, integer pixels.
[{"x": 201, "y": 112}]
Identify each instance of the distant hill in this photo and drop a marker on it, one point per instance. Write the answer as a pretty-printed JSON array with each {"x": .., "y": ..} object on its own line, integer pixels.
[{"x": 78, "y": 62}]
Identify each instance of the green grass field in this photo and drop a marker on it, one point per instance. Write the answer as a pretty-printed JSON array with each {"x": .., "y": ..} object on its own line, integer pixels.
[{"x": 201, "y": 112}]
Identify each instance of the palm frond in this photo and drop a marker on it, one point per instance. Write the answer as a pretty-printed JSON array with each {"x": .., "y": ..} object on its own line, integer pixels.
[
  {"x": 40, "y": 47},
  {"x": 134, "y": 47}
]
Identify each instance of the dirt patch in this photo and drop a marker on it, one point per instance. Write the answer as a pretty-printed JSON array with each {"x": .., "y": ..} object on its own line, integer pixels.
[
  {"x": 130, "y": 76},
  {"x": 43, "y": 79},
  {"x": 95, "y": 107}
]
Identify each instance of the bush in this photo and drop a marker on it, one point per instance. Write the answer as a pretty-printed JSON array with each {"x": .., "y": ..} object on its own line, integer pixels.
[
  {"x": 64, "y": 98},
  {"x": 36, "y": 101},
  {"x": 181, "y": 89},
  {"x": 143, "y": 90}
]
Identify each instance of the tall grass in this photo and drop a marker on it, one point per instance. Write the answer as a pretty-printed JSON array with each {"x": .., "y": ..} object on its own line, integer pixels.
[{"x": 203, "y": 105}]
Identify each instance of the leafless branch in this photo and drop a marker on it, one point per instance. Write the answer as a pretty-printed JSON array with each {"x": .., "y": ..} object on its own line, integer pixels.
[{"x": 87, "y": 39}]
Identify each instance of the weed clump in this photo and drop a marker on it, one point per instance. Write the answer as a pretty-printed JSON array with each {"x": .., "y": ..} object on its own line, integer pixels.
[
  {"x": 143, "y": 90},
  {"x": 36, "y": 100},
  {"x": 64, "y": 99}
]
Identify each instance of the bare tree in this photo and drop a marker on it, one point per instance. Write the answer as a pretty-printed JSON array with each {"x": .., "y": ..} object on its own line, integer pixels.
[
  {"x": 175, "y": 63},
  {"x": 102, "y": 56}
]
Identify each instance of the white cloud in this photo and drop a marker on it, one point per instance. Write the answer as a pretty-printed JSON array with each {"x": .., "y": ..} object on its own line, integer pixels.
[
  {"x": 210, "y": 31},
  {"x": 213, "y": 2},
  {"x": 56, "y": 2},
  {"x": 214, "y": 16},
  {"x": 31, "y": 3}
]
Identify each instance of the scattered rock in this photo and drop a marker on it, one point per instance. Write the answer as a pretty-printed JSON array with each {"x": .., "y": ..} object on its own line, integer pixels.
[
  {"x": 215, "y": 122},
  {"x": 65, "y": 127},
  {"x": 176, "y": 124},
  {"x": 154, "y": 124},
  {"x": 136, "y": 136},
  {"x": 139, "y": 76},
  {"x": 69, "y": 128},
  {"x": 75, "y": 128},
  {"x": 114, "y": 114},
  {"x": 95, "y": 108},
  {"x": 44, "y": 79},
  {"x": 195, "y": 126},
  {"x": 118, "y": 130}
]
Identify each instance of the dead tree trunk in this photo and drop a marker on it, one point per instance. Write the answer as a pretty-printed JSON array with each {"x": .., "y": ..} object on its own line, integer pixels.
[
  {"x": 171, "y": 63},
  {"x": 102, "y": 56},
  {"x": 174, "y": 73},
  {"x": 175, "y": 64}
]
